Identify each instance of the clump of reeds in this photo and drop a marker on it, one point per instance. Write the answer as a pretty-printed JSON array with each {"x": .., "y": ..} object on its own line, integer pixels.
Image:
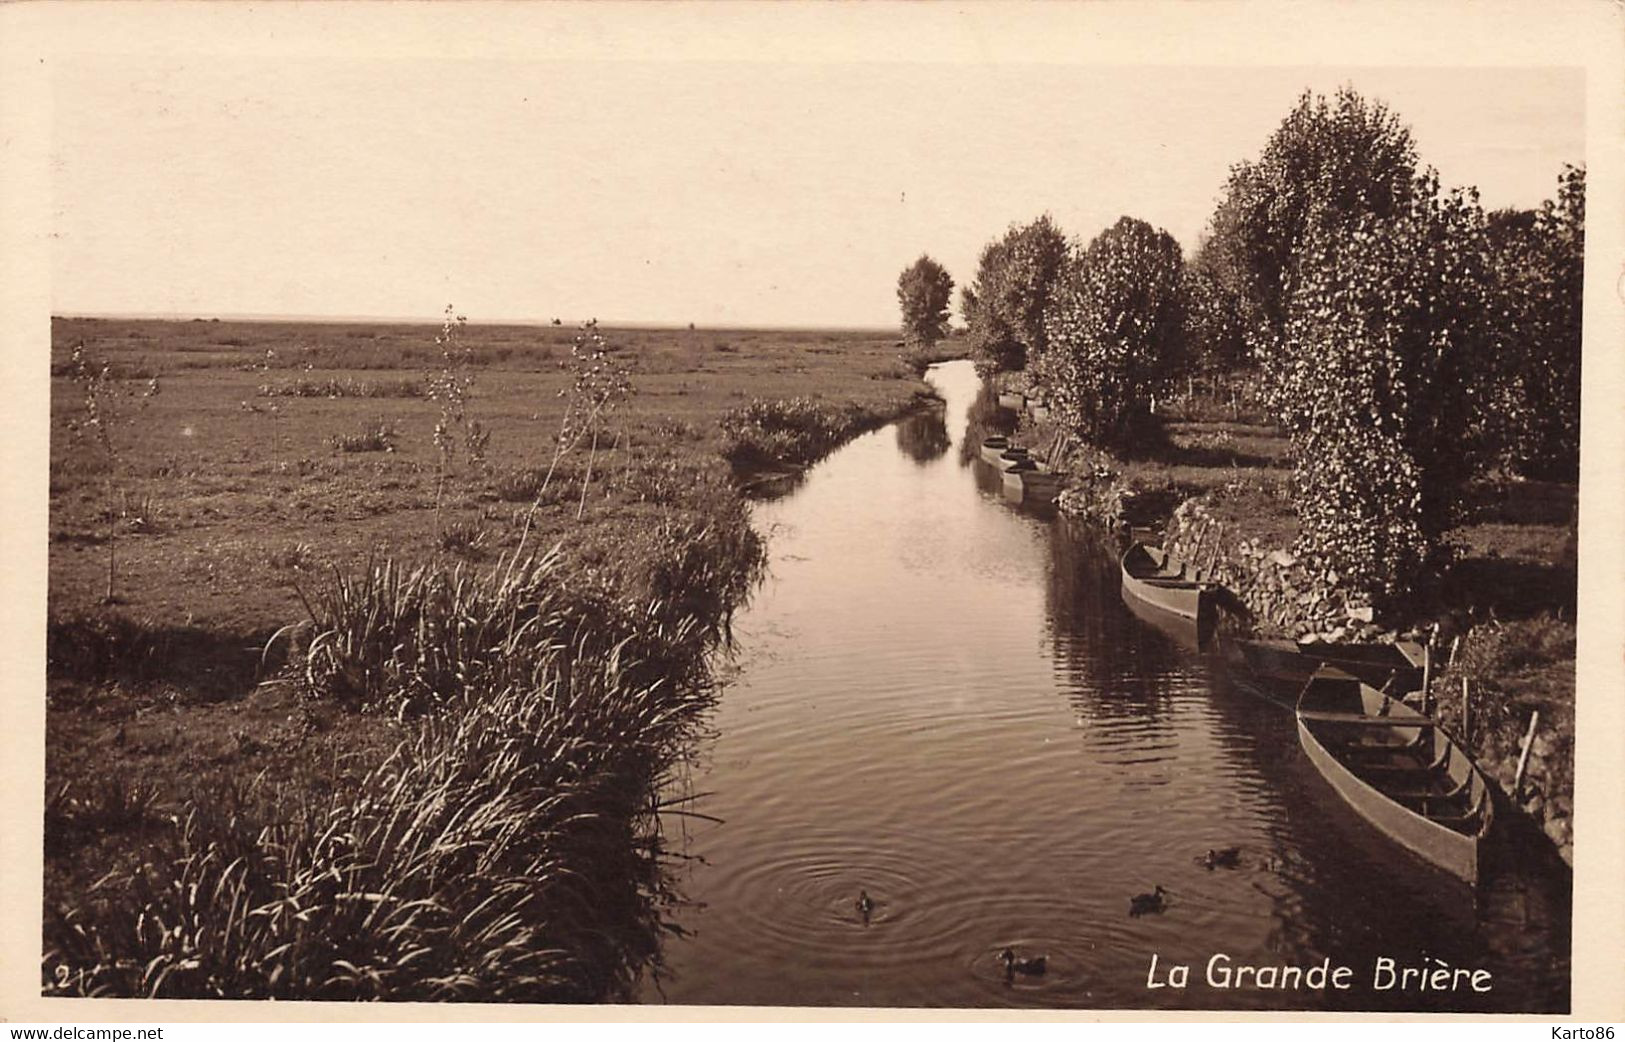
[
  {"x": 794, "y": 431},
  {"x": 463, "y": 538},
  {"x": 344, "y": 387},
  {"x": 375, "y": 437},
  {"x": 520, "y": 484},
  {"x": 489, "y": 858},
  {"x": 509, "y": 850}
]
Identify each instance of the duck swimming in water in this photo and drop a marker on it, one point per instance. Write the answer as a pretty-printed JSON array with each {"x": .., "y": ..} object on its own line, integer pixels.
[
  {"x": 866, "y": 905},
  {"x": 1148, "y": 904},
  {"x": 1229, "y": 857},
  {"x": 1014, "y": 964}
]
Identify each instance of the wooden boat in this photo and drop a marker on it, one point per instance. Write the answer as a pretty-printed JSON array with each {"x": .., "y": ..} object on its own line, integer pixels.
[
  {"x": 1282, "y": 667},
  {"x": 1182, "y": 631},
  {"x": 1403, "y": 657},
  {"x": 993, "y": 446},
  {"x": 1029, "y": 482},
  {"x": 1397, "y": 769},
  {"x": 1159, "y": 583}
]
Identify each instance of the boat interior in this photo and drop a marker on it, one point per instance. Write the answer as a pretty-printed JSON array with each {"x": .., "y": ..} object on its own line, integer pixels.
[{"x": 1395, "y": 750}]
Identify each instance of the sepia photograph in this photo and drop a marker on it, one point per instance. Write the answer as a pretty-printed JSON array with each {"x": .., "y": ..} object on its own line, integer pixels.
[{"x": 814, "y": 507}]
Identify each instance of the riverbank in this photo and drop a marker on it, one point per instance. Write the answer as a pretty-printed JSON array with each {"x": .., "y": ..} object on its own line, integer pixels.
[
  {"x": 490, "y": 675},
  {"x": 1218, "y": 490}
]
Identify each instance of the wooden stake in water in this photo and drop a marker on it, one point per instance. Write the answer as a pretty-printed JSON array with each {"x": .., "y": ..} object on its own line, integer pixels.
[{"x": 1523, "y": 754}]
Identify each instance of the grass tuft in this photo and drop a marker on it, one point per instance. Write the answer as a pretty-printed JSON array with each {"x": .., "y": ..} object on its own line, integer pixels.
[
  {"x": 375, "y": 437},
  {"x": 344, "y": 387}
]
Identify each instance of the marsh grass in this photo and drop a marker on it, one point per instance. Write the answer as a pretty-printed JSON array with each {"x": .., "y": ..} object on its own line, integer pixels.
[
  {"x": 509, "y": 850},
  {"x": 103, "y": 645},
  {"x": 344, "y": 387},
  {"x": 790, "y": 431},
  {"x": 375, "y": 437},
  {"x": 463, "y": 538},
  {"x": 492, "y": 857}
]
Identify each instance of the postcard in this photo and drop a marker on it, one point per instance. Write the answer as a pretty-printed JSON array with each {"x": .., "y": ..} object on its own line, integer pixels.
[{"x": 612, "y": 511}]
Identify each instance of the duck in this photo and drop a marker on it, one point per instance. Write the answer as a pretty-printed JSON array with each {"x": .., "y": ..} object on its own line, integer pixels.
[
  {"x": 1229, "y": 857},
  {"x": 1148, "y": 904},
  {"x": 866, "y": 905},
  {"x": 1013, "y": 963}
]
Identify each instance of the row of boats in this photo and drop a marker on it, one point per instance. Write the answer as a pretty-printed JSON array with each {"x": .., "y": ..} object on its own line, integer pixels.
[
  {"x": 1027, "y": 479},
  {"x": 1391, "y": 763},
  {"x": 1357, "y": 724}
]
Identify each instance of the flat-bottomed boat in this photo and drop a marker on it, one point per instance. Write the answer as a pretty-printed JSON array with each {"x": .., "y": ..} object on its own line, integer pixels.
[{"x": 1397, "y": 769}]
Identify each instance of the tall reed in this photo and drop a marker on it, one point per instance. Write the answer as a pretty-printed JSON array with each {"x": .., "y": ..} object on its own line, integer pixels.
[{"x": 508, "y": 850}]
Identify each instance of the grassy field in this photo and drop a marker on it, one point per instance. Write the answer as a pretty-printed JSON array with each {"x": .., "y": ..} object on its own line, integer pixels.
[
  {"x": 289, "y": 474},
  {"x": 221, "y": 491}
]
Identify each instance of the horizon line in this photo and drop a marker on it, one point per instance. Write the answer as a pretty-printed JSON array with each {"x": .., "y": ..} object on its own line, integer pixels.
[{"x": 409, "y": 320}]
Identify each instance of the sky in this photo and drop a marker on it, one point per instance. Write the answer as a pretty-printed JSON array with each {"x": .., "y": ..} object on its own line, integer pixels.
[{"x": 706, "y": 191}]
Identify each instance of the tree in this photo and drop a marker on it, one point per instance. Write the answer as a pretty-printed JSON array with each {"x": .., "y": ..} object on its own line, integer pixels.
[
  {"x": 1539, "y": 262},
  {"x": 924, "y": 290},
  {"x": 1114, "y": 329},
  {"x": 1387, "y": 328},
  {"x": 993, "y": 342},
  {"x": 1223, "y": 295},
  {"x": 1329, "y": 163},
  {"x": 1216, "y": 323},
  {"x": 1004, "y": 308}
]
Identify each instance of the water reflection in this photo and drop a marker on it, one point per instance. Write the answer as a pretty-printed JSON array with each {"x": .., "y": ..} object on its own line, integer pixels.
[
  {"x": 923, "y": 436},
  {"x": 984, "y": 416}
]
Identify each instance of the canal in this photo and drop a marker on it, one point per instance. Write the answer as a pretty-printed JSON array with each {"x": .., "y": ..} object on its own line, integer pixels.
[{"x": 939, "y": 699}]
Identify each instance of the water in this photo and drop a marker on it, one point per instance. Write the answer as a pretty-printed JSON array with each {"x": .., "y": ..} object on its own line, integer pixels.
[{"x": 941, "y": 700}]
